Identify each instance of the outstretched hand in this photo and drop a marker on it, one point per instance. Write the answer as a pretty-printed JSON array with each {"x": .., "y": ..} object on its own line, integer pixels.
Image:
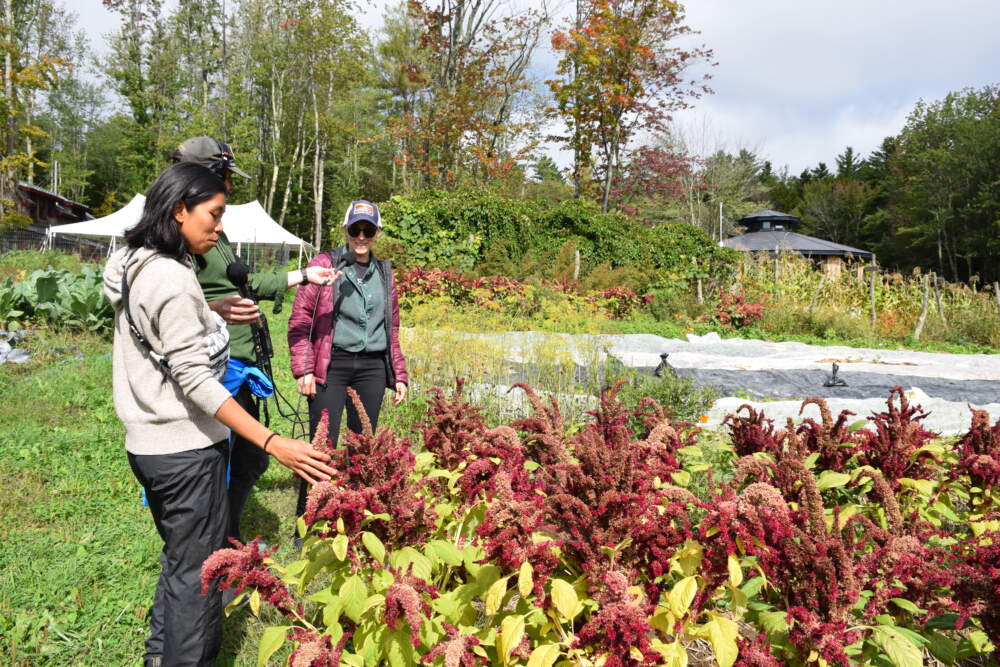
[
  {"x": 235, "y": 309},
  {"x": 301, "y": 458},
  {"x": 320, "y": 275}
]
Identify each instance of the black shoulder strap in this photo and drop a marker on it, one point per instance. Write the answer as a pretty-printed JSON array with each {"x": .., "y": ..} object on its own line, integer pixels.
[{"x": 160, "y": 360}]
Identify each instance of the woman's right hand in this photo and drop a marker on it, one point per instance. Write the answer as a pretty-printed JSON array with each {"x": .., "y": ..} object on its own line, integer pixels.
[
  {"x": 307, "y": 384},
  {"x": 301, "y": 458}
]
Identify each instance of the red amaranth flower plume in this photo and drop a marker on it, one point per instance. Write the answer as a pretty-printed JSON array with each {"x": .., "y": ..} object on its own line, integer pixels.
[
  {"x": 979, "y": 452},
  {"x": 899, "y": 434},
  {"x": 753, "y": 433},
  {"x": 406, "y": 598},
  {"x": 315, "y": 650},
  {"x": 451, "y": 426},
  {"x": 545, "y": 438},
  {"x": 330, "y": 501},
  {"x": 507, "y": 531},
  {"x": 977, "y": 585},
  {"x": 244, "y": 567},
  {"x": 619, "y": 626},
  {"x": 831, "y": 439},
  {"x": 321, "y": 439},
  {"x": 380, "y": 469},
  {"x": 828, "y": 639},
  {"x": 756, "y": 652},
  {"x": 455, "y": 650}
]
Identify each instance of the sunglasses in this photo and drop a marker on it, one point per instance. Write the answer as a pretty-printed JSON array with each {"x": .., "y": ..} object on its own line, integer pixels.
[{"x": 368, "y": 230}]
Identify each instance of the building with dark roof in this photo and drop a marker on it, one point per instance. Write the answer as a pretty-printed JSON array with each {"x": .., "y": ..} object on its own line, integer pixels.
[
  {"x": 46, "y": 208},
  {"x": 772, "y": 231}
]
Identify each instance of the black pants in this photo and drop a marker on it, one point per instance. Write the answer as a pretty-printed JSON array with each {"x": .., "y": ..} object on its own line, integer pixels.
[
  {"x": 187, "y": 497},
  {"x": 247, "y": 462},
  {"x": 366, "y": 374}
]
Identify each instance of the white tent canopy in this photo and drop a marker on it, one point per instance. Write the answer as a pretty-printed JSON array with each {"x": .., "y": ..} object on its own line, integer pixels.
[
  {"x": 110, "y": 225},
  {"x": 250, "y": 223},
  {"x": 243, "y": 223}
]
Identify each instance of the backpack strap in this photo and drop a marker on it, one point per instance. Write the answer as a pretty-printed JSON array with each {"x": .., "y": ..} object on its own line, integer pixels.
[{"x": 162, "y": 363}]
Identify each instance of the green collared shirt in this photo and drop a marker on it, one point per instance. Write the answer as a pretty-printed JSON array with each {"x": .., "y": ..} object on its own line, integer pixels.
[{"x": 360, "y": 325}]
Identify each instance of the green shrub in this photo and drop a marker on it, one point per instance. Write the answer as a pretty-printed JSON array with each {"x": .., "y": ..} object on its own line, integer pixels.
[
  {"x": 467, "y": 228},
  {"x": 58, "y": 297},
  {"x": 20, "y": 263},
  {"x": 681, "y": 396}
]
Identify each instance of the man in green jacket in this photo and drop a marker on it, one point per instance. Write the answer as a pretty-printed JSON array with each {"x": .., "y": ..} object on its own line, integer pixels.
[{"x": 247, "y": 462}]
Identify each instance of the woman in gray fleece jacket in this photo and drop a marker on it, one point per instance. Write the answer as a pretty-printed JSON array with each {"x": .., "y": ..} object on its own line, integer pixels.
[{"x": 170, "y": 353}]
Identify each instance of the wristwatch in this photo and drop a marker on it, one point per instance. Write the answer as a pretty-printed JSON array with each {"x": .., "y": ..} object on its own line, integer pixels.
[{"x": 305, "y": 277}]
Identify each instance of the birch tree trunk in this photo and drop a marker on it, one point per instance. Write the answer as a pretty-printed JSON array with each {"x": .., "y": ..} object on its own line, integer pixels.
[
  {"x": 7, "y": 184},
  {"x": 317, "y": 177},
  {"x": 291, "y": 170}
]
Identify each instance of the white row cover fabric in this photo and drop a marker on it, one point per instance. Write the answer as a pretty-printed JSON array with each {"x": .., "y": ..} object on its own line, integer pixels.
[{"x": 243, "y": 223}]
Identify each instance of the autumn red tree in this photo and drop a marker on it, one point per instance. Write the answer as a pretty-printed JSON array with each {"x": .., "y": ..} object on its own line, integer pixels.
[
  {"x": 621, "y": 71},
  {"x": 652, "y": 176}
]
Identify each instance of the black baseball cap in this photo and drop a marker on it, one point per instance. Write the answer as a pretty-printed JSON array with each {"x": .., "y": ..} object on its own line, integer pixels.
[{"x": 208, "y": 152}]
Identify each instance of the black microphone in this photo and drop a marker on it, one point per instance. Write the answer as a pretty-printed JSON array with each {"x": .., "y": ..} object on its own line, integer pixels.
[
  {"x": 238, "y": 273},
  {"x": 349, "y": 258}
]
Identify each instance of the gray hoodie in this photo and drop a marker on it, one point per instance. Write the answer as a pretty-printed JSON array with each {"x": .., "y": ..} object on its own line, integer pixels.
[{"x": 161, "y": 414}]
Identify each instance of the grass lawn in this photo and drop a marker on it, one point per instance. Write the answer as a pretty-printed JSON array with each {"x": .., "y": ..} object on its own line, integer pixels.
[{"x": 78, "y": 551}]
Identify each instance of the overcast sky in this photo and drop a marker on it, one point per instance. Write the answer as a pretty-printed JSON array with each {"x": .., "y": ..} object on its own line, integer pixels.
[{"x": 799, "y": 80}]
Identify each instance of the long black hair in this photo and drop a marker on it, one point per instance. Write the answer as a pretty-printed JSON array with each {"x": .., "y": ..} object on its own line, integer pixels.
[{"x": 185, "y": 182}]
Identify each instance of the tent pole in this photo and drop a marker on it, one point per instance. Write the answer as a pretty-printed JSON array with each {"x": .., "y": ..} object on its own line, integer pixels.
[{"x": 300, "y": 255}]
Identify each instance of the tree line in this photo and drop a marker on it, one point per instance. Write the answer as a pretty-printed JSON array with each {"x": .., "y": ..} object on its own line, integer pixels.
[{"x": 446, "y": 95}]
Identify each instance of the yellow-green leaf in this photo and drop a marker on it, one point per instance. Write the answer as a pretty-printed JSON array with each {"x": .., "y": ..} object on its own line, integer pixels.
[
  {"x": 903, "y": 603},
  {"x": 300, "y": 525},
  {"x": 924, "y": 487},
  {"x": 774, "y": 623},
  {"x": 353, "y": 593},
  {"x": 235, "y": 604},
  {"x": 339, "y": 546},
  {"x": 689, "y": 557},
  {"x": 565, "y": 599},
  {"x": 663, "y": 621},
  {"x": 494, "y": 596},
  {"x": 525, "y": 579},
  {"x": 270, "y": 642},
  {"x": 446, "y": 552},
  {"x": 511, "y": 632},
  {"x": 901, "y": 651},
  {"x": 681, "y": 478},
  {"x": 544, "y": 656},
  {"x": 408, "y": 556},
  {"x": 674, "y": 654},
  {"x": 829, "y": 479},
  {"x": 255, "y": 602},
  {"x": 374, "y": 545},
  {"x": 722, "y": 634},
  {"x": 682, "y": 594},
  {"x": 735, "y": 570}
]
